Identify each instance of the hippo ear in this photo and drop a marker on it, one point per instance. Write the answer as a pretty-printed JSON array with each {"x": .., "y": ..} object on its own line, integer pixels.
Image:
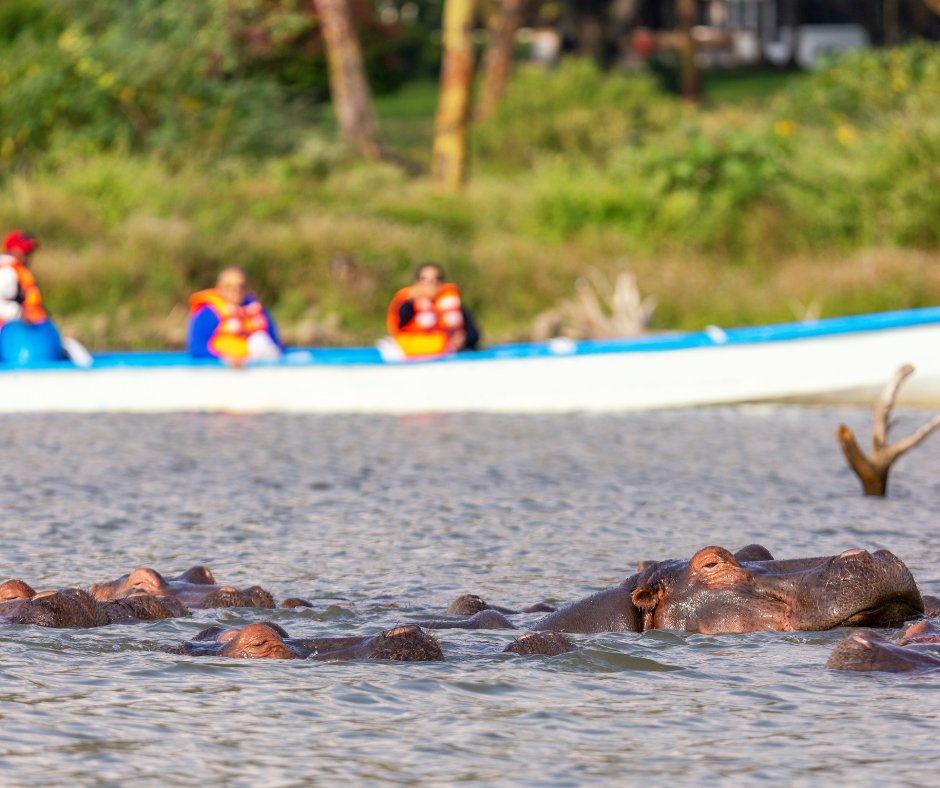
[{"x": 646, "y": 597}]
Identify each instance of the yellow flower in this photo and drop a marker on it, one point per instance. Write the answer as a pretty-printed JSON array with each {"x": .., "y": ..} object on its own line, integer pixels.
[
  {"x": 7, "y": 148},
  {"x": 106, "y": 80},
  {"x": 784, "y": 128},
  {"x": 845, "y": 134}
]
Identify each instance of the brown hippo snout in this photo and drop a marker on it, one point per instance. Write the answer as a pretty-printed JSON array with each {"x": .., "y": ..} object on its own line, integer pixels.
[{"x": 858, "y": 588}]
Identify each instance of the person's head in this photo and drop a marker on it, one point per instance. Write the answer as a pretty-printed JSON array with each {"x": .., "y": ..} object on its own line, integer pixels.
[
  {"x": 232, "y": 285},
  {"x": 21, "y": 244},
  {"x": 428, "y": 279}
]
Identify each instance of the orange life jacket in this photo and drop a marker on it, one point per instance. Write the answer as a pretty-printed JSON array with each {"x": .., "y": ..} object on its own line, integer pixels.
[
  {"x": 236, "y": 323},
  {"x": 29, "y": 296},
  {"x": 431, "y": 331}
]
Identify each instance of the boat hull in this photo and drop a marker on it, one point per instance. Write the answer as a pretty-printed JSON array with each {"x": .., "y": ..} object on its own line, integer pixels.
[{"x": 711, "y": 368}]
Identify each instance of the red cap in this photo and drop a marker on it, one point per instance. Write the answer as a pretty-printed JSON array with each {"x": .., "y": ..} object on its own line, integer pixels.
[{"x": 20, "y": 242}]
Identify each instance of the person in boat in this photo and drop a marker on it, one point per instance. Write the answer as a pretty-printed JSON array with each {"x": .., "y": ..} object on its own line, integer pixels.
[
  {"x": 228, "y": 322},
  {"x": 27, "y": 334},
  {"x": 428, "y": 318},
  {"x": 20, "y": 298}
]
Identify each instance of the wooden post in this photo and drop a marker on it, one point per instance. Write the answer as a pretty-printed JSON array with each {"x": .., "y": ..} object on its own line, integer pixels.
[
  {"x": 449, "y": 158},
  {"x": 352, "y": 99},
  {"x": 497, "y": 62}
]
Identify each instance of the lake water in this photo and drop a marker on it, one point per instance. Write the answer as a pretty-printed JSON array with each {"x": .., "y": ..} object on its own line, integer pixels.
[{"x": 382, "y": 520}]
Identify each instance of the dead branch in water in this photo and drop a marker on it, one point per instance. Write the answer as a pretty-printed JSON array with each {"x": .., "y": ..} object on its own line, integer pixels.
[
  {"x": 872, "y": 469},
  {"x": 598, "y": 311}
]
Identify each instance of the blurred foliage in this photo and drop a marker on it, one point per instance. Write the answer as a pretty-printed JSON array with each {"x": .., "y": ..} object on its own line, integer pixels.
[
  {"x": 575, "y": 111},
  {"x": 226, "y": 76},
  {"x": 150, "y": 143}
]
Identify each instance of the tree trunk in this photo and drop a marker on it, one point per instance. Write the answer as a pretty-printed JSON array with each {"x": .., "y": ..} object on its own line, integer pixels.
[
  {"x": 892, "y": 27},
  {"x": 453, "y": 110},
  {"x": 352, "y": 99},
  {"x": 497, "y": 62},
  {"x": 690, "y": 84}
]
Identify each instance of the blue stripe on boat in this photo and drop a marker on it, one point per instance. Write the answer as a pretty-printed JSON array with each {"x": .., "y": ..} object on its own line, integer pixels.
[{"x": 747, "y": 335}]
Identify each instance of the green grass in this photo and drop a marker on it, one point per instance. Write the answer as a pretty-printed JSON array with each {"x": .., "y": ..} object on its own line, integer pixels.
[{"x": 747, "y": 86}]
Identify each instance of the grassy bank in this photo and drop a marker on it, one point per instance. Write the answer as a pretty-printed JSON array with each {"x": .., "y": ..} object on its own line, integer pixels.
[{"x": 774, "y": 201}]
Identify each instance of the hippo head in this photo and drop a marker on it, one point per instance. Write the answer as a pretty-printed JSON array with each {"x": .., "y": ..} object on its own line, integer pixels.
[
  {"x": 257, "y": 641},
  {"x": 141, "y": 580},
  {"x": 865, "y": 650},
  {"x": 547, "y": 644},
  {"x": 15, "y": 589},
  {"x": 228, "y": 596},
  {"x": 407, "y": 643},
  {"x": 714, "y": 592},
  {"x": 143, "y": 607},
  {"x": 68, "y": 607},
  {"x": 467, "y": 605}
]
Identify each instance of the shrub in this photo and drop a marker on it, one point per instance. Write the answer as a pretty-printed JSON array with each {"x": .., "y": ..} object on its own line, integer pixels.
[{"x": 546, "y": 113}]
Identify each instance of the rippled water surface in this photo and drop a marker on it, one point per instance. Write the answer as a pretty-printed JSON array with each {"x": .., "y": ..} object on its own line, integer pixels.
[{"x": 385, "y": 520}]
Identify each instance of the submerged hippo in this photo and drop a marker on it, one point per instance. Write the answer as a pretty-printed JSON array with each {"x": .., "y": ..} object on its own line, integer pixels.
[
  {"x": 485, "y": 619},
  {"x": 548, "y": 644},
  {"x": 195, "y": 588},
  {"x": 407, "y": 643},
  {"x": 621, "y": 614},
  {"x": 918, "y": 648},
  {"x": 73, "y": 607},
  {"x": 470, "y": 604},
  {"x": 716, "y": 592},
  {"x": 269, "y": 641}
]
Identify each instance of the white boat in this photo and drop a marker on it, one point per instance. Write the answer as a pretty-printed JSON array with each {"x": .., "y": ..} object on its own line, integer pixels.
[{"x": 848, "y": 359}]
